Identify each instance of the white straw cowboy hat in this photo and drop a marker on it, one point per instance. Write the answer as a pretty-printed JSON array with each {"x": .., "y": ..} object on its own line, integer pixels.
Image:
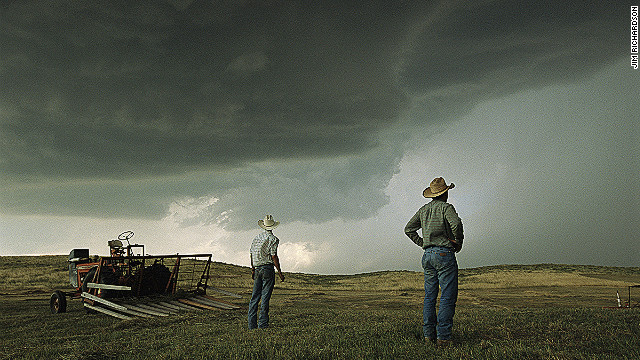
[
  {"x": 437, "y": 188},
  {"x": 268, "y": 223}
]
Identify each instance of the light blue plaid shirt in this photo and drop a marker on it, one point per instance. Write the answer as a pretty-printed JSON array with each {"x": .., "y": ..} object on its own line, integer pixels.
[{"x": 263, "y": 247}]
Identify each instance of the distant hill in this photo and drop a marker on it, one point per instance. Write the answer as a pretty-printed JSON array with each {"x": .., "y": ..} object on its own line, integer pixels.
[{"x": 501, "y": 285}]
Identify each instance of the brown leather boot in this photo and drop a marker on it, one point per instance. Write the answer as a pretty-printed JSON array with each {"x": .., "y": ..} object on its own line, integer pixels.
[{"x": 444, "y": 343}]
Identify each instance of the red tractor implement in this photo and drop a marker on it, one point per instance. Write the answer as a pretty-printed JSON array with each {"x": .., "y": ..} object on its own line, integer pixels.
[{"x": 129, "y": 283}]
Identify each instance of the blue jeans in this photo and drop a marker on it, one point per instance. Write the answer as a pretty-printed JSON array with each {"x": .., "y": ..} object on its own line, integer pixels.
[
  {"x": 440, "y": 270},
  {"x": 263, "y": 282}
]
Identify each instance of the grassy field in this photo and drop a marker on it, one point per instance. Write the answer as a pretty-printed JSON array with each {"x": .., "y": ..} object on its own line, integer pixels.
[{"x": 504, "y": 312}]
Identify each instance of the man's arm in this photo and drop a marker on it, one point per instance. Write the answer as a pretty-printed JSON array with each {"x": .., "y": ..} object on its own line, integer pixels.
[
  {"x": 457, "y": 247},
  {"x": 276, "y": 262},
  {"x": 456, "y": 227},
  {"x": 253, "y": 269},
  {"x": 411, "y": 230}
]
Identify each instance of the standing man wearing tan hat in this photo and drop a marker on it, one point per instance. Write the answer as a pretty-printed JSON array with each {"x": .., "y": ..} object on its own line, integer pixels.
[
  {"x": 441, "y": 238},
  {"x": 264, "y": 256}
]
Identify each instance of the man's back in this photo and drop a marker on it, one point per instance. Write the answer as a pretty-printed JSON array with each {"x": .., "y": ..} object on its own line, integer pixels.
[
  {"x": 439, "y": 222},
  {"x": 264, "y": 245}
]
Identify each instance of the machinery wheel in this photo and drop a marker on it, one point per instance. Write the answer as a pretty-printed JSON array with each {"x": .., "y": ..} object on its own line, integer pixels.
[
  {"x": 88, "y": 278},
  {"x": 58, "y": 302},
  {"x": 84, "y": 288},
  {"x": 107, "y": 276},
  {"x": 161, "y": 276},
  {"x": 155, "y": 279}
]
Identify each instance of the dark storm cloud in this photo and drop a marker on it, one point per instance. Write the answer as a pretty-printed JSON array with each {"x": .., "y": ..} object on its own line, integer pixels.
[
  {"x": 100, "y": 88},
  {"x": 116, "y": 108},
  {"x": 513, "y": 45}
]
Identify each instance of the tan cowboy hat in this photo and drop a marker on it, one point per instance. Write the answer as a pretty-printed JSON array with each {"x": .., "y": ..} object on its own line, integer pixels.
[
  {"x": 437, "y": 188},
  {"x": 268, "y": 223}
]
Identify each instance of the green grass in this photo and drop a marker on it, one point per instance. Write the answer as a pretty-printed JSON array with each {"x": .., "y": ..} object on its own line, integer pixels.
[{"x": 365, "y": 316}]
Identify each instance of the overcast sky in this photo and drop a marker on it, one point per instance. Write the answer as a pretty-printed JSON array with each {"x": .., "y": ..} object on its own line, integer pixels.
[{"x": 186, "y": 121}]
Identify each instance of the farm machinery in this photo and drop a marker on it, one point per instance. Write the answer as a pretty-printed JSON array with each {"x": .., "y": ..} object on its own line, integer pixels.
[{"x": 121, "y": 284}]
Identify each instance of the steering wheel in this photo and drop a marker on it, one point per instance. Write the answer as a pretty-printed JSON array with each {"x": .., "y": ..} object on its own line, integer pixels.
[{"x": 125, "y": 235}]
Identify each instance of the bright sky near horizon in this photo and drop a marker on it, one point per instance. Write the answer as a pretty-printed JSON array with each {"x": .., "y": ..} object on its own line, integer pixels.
[{"x": 187, "y": 121}]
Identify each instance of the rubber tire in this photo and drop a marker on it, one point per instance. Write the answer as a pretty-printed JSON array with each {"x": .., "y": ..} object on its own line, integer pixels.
[
  {"x": 89, "y": 275},
  {"x": 58, "y": 302},
  {"x": 106, "y": 277},
  {"x": 154, "y": 280},
  {"x": 161, "y": 275},
  {"x": 84, "y": 287}
]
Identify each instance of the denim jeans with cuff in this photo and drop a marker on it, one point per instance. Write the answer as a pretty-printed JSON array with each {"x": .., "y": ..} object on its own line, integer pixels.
[
  {"x": 440, "y": 272},
  {"x": 263, "y": 282}
]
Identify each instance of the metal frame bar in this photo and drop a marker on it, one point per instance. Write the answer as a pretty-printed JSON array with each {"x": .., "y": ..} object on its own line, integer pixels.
[
  {"x": 108, "y": 287},
  {"x": 172, "y": 284},
  {"x": 631, "y": 286}
]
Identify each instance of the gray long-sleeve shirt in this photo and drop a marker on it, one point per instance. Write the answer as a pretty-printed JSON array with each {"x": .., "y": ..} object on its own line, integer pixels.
[{"x": 439, "y": 222}]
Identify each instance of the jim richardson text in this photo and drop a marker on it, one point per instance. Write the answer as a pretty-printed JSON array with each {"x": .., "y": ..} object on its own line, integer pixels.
[{"x": 634, "y": 37}]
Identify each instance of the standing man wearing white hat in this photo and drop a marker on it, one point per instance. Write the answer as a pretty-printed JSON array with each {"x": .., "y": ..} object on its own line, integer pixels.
[
  {"x": 442, "y": 237},
  {"x": 264, "y": 257}
]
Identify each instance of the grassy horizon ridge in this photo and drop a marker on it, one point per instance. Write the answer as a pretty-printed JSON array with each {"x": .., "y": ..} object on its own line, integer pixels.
[{"x": 61, "y": 258}]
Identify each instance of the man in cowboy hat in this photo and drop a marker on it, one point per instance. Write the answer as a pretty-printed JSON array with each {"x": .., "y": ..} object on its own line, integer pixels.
[
  {"x": 441, "y": 238},
  {"x": 264, "y": 257}
]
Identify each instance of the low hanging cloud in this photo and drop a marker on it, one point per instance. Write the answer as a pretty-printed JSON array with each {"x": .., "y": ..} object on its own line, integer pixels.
[{"x": 298, "y": 108}]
